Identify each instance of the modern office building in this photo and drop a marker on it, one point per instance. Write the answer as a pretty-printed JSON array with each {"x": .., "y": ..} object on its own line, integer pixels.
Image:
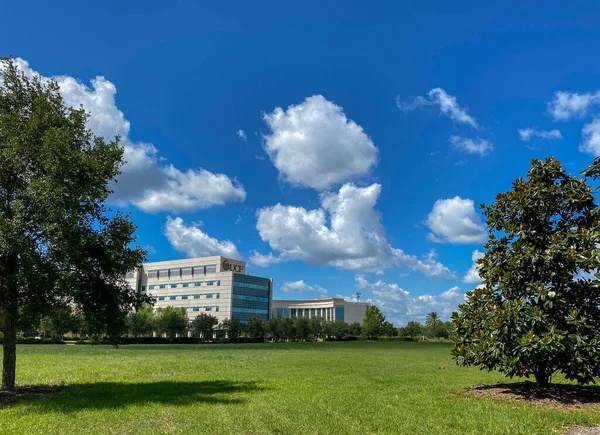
[
  {"x": 217, "y": 286},
  {"x": 330, "y": 309},
  {"x": 220, "y": 287}
]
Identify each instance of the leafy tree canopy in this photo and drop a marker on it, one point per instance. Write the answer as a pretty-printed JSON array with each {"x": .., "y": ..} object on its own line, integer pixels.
[
  {"x": 537, "y": 311},
  {"x": 59, "y": 243},
  {"x": 373, "y": 323}
]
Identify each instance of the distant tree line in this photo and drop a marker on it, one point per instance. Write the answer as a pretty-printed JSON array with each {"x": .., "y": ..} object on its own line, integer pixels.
[{"x": 171, "y": 322}]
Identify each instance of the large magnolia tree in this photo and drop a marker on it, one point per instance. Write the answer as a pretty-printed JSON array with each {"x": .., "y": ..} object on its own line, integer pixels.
[
  {"x": 538, "y": 310},
  {"x": 59, "y": 243}
]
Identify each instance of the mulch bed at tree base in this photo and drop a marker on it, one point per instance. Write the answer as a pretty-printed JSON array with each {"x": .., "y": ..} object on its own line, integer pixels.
[
  {"x": 7, "y": 397},
  {"x": 562, "y": 396}
]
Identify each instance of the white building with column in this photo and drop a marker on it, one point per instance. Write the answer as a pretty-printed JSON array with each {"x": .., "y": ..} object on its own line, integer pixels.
[{"x": 329, "y": 309}]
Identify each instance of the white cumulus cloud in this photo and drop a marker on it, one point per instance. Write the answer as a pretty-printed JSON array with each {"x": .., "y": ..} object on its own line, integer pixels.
[
  {"x": 568, "y": 105},
  {"x": 400, "y": 307},
  {"x": 301, "y": 287},
  {"x": 472, "y": 275},
  {"x": 314, "y": 144},
  {"x": 471, "y": 146},
  {"x": 145, "y": 181},
  {"x": 447, "y": 103},
  {"x": 242, "y": 135},
  {"x": 527, "y": 133},
  {"x": 455, "y": 220},
  {"x": 591, "y": 138},
  {"x": 345, "y": 232},
  {"x": 194, "y": 242}
]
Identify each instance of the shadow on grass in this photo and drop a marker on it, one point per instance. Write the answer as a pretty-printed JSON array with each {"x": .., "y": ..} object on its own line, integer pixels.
[
  {"x": 108, "y": 395},
  {"x": 558, "y": 395}
]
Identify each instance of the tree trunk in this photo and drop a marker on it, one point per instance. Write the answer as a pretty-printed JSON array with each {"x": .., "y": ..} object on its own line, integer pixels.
[
  {"x": 542, "y": 378},
  {"x": 9, "y": 365}
]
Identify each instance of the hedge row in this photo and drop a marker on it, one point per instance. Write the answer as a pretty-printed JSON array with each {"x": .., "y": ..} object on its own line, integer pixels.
[{"x": 32, "y": 340}]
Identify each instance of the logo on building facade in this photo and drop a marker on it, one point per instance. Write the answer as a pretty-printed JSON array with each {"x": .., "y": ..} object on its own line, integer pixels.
[{"x": 233, "y": 267}]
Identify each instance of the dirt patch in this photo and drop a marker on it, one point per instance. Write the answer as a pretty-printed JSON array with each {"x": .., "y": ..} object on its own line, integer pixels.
[
  {"x": 582, "y": 431},
  {"x": 556, "y": 396},
  {"x": 7, "y": 397}
]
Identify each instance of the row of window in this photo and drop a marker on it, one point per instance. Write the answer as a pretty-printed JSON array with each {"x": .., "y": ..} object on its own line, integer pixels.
[
  {"x": 186, "y": 297},
  {"x": 196, "y": 309},
  {"x": 249, "y": 310},
  {"x": 250, "y": 285},
  {"x": 178, "y": 272},
  {"x": 249, "y": 298},
  {"x": 183, "y": 284}
]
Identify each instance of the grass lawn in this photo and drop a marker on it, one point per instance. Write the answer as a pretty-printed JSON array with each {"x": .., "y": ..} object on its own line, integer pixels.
[{"x": 355, "y": 387}]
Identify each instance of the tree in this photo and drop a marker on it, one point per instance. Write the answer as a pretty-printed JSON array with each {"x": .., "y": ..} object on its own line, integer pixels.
[
  {"x": 447, "y": 330},
  {"x": 204, "y": 326},
  {"x": 354, "y": 329},
  {"x": 433, "y": 324},
  {"x": 61, "y": 321},
  {"x": 373, "y": 323},
  {"x": 232, "y": 328},
  {"x": 339, "y": 329},
  {"x": 537, "y": 311},
  {"x": 59, "y": 242},
  {"x": 172, "y": 321},
  {"x": 141, "y": 322},
  {"x": 287, "y": 328},
  {"x": 316, "y": 327},
  {"x": 256, "y": 328},
  {"x": 413, "y": 329},
  {"x": 302, "y": 328},
  {"x": 388, "y": 329}
]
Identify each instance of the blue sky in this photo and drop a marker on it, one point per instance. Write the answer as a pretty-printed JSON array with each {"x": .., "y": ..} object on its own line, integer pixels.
[{"x": 387, "y": 113}]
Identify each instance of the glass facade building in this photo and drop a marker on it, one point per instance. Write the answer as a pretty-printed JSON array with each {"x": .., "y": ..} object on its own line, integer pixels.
[{"x": 251, "y": 297}]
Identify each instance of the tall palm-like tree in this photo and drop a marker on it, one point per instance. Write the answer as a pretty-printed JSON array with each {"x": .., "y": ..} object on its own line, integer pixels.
[{"x": 434, "y": 322}]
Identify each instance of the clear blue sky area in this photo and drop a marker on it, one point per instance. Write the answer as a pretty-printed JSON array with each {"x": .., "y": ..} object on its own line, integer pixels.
[{"x": 377, "y": 127}]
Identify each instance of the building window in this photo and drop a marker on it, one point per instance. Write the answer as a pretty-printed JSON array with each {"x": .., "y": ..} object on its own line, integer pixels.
[
  {"x": 175, "y": 273},
  {"x": 153, "y": 274},
  {"x": 217, "y": 308},
  {"x": 163, "y": 273},
  {"x": 249, "y": 298},
  {"x": 196, "y": 296},
  {"x": 196, "y": 308},
  {"x": 150, "y": 287},
  {"x": 161, "y": 298},
  {"x": 197, "y": 284},
  {"x": 186, "y": 271},
  {"x": 209, "y": 296},
  {"x": 313, "y": 312},
  {"x": 286, "y": 312},
  {"x": 208, "y": 309},
  {"x": 211, "y": 268},
  {"x": 198, "y": 270},
  {"x": 143, "y": 288},
  {"x": 339, "y": 313},
  {"x": 219, "y": 282},
  {"x": 186, "y": 284},
  {"x": 173, "y": 285},
  {"x": 173, "y": 298},
  {"x": 184, "y": 298},
  {"x": 279, "y": 312},
  {"x": 209, "y": 283},
  {"x": 249, "y": 310},
  {"x": 162, "y": 286},
  {"x": 218, "y": 295},
  {"x": 293, "y": 312}
]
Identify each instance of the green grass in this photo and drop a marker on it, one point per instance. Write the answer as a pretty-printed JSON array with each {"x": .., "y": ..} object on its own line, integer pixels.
[{"x": 356, "y": 387}]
